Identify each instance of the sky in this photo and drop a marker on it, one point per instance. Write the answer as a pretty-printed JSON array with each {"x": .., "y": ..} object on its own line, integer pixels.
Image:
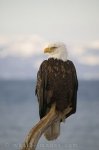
[{"x": 27, "y": 25}]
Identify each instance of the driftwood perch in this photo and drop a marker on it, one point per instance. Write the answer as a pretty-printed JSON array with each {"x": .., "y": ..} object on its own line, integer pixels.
[{"x": 35, "y": 133}]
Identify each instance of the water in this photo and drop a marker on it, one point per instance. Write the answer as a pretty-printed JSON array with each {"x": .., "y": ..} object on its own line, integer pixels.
[{"x": 19, "y": 113}]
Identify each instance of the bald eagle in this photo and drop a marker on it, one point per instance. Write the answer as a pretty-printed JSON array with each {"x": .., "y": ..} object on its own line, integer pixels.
[{"x": 56, "y": 83}]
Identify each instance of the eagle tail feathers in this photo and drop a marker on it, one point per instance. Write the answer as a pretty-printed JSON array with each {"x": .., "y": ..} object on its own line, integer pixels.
[{"x": 53, "y": 131}]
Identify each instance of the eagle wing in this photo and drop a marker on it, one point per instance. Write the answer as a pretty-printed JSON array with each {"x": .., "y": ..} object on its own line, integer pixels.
[
  {"x": 41, "y": 89},
  {"x": 75, "y": 84}
]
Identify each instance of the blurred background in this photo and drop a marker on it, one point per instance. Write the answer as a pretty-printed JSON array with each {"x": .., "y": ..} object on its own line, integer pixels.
[{"x": 25, "y": 27}]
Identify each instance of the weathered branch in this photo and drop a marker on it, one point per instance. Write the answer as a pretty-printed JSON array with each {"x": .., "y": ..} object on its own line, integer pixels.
[{"x": 35, "y": 133}]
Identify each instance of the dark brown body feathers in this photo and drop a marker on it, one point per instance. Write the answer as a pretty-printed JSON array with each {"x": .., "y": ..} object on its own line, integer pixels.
[{"x": 56, "y": 82}]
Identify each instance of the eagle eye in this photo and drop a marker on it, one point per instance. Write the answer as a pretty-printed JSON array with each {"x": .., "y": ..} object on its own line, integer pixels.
[{"x": 53, "y": 47}]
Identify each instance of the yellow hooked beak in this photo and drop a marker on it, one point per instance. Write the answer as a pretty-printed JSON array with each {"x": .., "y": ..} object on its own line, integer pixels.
[{"x": 49, "y": 49}]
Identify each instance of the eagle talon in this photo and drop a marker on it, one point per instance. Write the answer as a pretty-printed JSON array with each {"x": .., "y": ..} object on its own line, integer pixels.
[{"x": 62, "y": 115}]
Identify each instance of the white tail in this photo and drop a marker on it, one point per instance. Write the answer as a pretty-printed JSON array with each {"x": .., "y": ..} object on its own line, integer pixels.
[{"x": 53, "y": 131}]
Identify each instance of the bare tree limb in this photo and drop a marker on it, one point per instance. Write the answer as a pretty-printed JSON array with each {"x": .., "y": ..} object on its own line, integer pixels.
[{"x": 35, "y": 133}]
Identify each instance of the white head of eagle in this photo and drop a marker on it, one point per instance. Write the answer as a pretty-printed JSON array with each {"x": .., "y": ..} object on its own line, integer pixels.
[{"x": 56, "y": 50}]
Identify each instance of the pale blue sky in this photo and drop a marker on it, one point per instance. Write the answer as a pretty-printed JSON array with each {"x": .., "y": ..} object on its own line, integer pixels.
[
  {"x": 68, "y": 20},
  {"x": 25, "y": 25}
]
